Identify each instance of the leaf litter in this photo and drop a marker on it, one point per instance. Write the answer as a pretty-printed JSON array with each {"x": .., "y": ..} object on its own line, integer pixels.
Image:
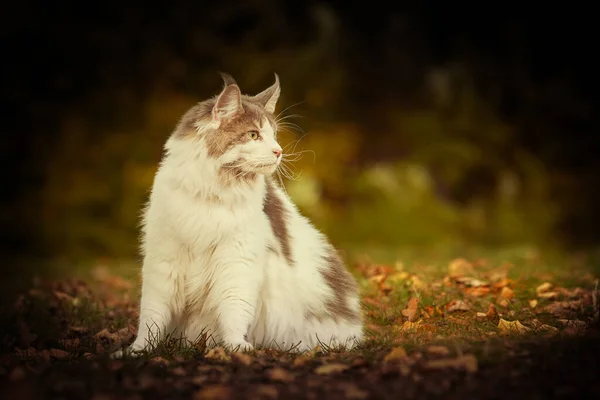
[{"x": 404, "y": 313}]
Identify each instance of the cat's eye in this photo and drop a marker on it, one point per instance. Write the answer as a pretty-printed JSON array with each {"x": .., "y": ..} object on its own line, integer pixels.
[{"x": 253, "y": 135}]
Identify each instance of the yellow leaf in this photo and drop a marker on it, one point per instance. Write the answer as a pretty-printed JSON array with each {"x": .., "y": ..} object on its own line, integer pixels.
[
  {"x": 279, "y": 375},
  {"x": 533, "y": 303},
  {"x": 397, "y": 353},
  {"x": 417, "y": 283},
  {"x": 328, "y": 369},
  {"x": 544, "y": 287},
  {"x": 399, "y": 276},
  {"x": 459, "y": 267},
  {"x": 467, "y": 362},
  {"x": 410, "y": 326},
  {"x": 438, "y": 350},
  {"x": 507, "y": 327},
  {"x": 507, "y": 293}
]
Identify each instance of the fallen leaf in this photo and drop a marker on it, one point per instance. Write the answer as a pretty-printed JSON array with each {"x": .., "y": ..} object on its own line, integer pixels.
[
  {"x": 481, "y": 316},
  {"x": 477, "y": 291},
  {"x": 410, "y": 326},
  {"x": 411, "y": 310},
  {"x": 399, "y": 276},
  {"x": 457, "y": 305},
  {"x": 548, "y": 295},
  {"x": 492, "y": 314},
  {"x": 563, "y": 309},
  {"x": 507, "y": 293},
  {"x": 540, "y": 326},
  {"x": 533, "y": 303},
  {"x": 279, "y": 375},
  {"x": 397, "y": 353},
  {"x": 217, "y": 353},
  {"x": 241, "y": 358},
  {"x": 514, "y": 327},
  {"x": 504, "y": 282},
  {"x": 467, "y": 362},
  {"x": 352, "y": 391},
  {"x": 438, "y": 350},
  {"x": 459, "y": 267},
  {"x": 332, "y": 368},
  {"x": 471, "y": 282},
  {"x": 544, "y": 287},
  {"x": 213, "y": 392},
  {"x": 417, "y": 283},
  {"x": 60, "y": 354},
  {"x": 159, "y": 361},
  {"x": 268, "y": 391}
]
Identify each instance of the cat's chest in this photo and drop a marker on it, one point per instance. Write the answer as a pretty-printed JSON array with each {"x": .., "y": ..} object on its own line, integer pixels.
[{"x": 206, "y": 221}]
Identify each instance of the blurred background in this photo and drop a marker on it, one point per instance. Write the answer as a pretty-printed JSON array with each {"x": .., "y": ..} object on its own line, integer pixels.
[{"x": 431, "y": 124}]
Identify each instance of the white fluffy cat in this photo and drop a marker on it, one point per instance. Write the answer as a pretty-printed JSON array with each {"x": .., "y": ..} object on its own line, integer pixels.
[{"x": 225, "y": 250}]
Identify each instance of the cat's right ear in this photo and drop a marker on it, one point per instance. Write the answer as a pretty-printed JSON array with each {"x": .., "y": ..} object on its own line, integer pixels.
[{"x": 228, "y": 104}]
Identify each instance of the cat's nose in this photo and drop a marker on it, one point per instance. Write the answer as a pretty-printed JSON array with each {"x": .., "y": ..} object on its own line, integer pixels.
[{"x": 277, "y": 152}]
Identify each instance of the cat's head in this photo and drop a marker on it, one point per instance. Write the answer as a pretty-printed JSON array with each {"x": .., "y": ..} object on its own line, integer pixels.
[{"x": 236, "y": 130}]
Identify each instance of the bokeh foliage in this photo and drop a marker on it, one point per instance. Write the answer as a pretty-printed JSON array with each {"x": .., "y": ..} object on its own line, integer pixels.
[{"x": 409, "y": 147}]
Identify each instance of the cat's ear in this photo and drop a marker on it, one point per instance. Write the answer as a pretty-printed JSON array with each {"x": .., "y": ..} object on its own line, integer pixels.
[
  {"x": 268, "y": 97},
  {"x": 228, "y": 104},
  {"x": 227, "y": 79}
]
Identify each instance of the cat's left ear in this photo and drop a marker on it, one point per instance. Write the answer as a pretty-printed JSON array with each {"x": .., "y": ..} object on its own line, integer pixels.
[{"x": 268, "y": 97}]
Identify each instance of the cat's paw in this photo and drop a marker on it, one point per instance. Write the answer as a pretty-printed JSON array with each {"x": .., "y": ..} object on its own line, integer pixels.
[{"x": 239, "y": 345}]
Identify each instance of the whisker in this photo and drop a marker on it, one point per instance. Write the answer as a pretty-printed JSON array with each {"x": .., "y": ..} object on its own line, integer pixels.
[{"x": 285, "y": 109}]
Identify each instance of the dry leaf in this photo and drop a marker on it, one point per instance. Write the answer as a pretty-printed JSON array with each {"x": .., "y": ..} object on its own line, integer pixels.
[
  {"x": 217, "y": 353},
  {"x": 397, "y": 353},
  {"x": 457, "y": 305},
  {"x": 459, "y": 267},
  {"x": 351, "y": 391},
  {"x": 471, "y": 282},
  {"x": 417, "y": 283},
  {"x": 241, "y": 358},
  {"x": 539, "y": 326},
  {"x": 332, "y": 368},
  {"x": 438, "y": 350},
  {"x": 399, "y": 276},
  {"x": 563, "y": 309},
  {"x": 468, "y": 362},
  {"x": 159, "y": 360},
  {"x": 548, "y": 295},
  {"x": 410, "y": 326},
  {"x": 492, "y": 314},
  {"x": 60, "y": 354},
  {"x": 533, "y": 303},
  {"x": 507, "y": 293},
  {"x": 544, "y": 287},
  {"x": 411, "y": 311},
  {"x": 515, "y": 327},
  {"x": 214, "y": 392},
  {"x": 279, "y": 375},
  {"x": 477, "y": 291}
]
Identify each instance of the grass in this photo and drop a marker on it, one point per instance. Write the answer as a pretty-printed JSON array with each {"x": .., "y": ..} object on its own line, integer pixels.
[{"x": 83, "y": 314}]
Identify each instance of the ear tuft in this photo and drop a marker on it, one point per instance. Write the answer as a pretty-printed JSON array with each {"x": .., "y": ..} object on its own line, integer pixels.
[
  {"x": 268, "y": 97},
  {"x": 227, "y": 79}
]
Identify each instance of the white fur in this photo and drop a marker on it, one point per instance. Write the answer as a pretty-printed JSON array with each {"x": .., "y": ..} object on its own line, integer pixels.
[{"x": 206, "y": 266}]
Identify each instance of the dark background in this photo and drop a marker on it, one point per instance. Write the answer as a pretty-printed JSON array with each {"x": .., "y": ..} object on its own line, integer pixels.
[{"x": 84, "y": 87}]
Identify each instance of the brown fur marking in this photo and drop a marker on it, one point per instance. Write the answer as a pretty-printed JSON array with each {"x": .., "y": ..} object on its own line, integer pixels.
[
  {"x": 342, "y": 284},
  {"x": 276, "y": 213}
]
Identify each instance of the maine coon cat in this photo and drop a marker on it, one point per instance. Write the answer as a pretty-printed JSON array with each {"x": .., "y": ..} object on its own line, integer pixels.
[{"x": 225, "y": 251}]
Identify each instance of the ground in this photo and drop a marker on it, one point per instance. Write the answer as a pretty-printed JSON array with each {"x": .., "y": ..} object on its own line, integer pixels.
[{"x": 489, "y": 325}]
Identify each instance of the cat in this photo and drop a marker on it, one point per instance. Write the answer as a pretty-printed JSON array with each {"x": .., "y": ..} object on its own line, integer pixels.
[{"x": 225, "y": 251}]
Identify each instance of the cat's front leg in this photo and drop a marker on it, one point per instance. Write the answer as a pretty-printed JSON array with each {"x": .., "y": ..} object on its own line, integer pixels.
[
  {"x": 160, "y": 304},
  {"x": 238, "y": 290}
]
